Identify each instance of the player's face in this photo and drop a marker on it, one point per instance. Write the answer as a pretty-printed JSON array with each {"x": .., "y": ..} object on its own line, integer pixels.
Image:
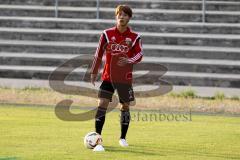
[{"x": 122, "y": 18}]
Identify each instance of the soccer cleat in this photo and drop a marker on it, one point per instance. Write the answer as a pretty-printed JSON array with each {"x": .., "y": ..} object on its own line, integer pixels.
[
  {"x": 99, "y": 148},
  {"x": 123, "y": 143}
]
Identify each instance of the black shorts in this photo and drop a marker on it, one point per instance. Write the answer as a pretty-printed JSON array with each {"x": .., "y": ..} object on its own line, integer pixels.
[{"x": 125, "y": 91}]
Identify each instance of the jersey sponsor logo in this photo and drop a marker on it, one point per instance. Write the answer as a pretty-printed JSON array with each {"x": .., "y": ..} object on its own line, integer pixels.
[{"x": 117, "y": 48}]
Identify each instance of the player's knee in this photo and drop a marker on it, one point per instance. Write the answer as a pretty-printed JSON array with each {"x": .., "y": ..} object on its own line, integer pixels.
[
  {"x": 103, "y": 102},
  {"x": 124, "y": 107}
]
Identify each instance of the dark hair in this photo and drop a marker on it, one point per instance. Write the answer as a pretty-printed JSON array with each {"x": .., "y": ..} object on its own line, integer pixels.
[{"x": 126, "y": 9}]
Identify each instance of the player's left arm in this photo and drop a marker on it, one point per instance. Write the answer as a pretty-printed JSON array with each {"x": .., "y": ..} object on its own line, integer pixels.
[{"x": 138, "y": 52}]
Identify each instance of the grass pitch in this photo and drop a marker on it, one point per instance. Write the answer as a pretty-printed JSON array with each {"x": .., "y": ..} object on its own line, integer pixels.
[{"x": 35, "y": 133}]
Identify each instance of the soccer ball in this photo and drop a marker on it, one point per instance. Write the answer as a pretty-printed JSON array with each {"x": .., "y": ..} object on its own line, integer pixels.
[{"x": 92, "y": 139}]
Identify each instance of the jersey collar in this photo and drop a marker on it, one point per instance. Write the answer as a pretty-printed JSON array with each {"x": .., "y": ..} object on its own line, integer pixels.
[{"x": 124, "y": 33}]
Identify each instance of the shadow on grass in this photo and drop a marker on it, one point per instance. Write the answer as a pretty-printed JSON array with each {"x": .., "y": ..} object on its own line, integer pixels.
[
  {"x": 135, "y": 150},
  {"x": 9, "y": 158}
]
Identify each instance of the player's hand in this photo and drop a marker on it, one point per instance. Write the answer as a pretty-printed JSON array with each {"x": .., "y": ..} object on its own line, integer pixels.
[
  {"x": 93, "y": 78},
  {"x": 123, "y": 61}
]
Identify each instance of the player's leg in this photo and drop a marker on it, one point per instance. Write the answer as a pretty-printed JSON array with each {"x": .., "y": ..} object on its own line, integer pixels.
[
  {"x": 100, "y": 119},
  {"x": 105, "y": 95},
  {"x": 125, "y": 120},
  {"x": 100, "y": 115},
  {"x": 126, "y": 95}
]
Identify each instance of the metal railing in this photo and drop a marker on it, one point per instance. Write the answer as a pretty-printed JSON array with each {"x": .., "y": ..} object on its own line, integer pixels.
[
  {"x": 98, "y": 9},
  {"x": 56, "y": 8},
  {"x": 97, "y": 6},
  {"x": 203, "y": 11}
]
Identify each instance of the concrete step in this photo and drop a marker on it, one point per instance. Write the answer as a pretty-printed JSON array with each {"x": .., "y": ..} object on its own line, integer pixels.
[
  {"x": 36, "y": 59},
  {"x": 194, "y": 65},
  {"x": 93, "y": 36},
  {"x": 221, "y": 0},
  {"x": 101, "y": 24},
  {"x": 172, "y": 63},
  {"x": 164, "y": 4},
  {"x": 203, "y": 79},
  {"x": 108, "y": 13},
  {"x": 216, "y": 0},
  {"x": 176, "y": 78},
  {"x": 181, "y": 51}
]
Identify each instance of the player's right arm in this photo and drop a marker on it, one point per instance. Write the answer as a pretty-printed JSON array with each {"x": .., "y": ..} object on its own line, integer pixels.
[{"x": 97, "y": 60}]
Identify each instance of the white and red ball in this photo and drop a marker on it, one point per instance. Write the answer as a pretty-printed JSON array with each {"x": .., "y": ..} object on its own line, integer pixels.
[{"x": 92, "y": 139}]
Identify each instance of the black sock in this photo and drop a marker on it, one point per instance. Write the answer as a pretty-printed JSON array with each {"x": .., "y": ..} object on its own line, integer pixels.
[
  {"x": 100, "y": 119},
  {"x": 125, "y": 120}
]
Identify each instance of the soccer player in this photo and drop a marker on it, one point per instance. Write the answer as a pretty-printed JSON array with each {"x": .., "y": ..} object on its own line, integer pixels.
[{"x": 122, "y": 49}]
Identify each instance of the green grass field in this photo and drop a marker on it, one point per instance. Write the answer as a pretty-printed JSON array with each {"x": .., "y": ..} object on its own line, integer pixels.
[{"x": 30, "y": 132}]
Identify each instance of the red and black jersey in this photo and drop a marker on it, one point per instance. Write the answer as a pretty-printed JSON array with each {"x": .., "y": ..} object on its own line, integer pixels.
[{"x": 114, "y": 45}]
